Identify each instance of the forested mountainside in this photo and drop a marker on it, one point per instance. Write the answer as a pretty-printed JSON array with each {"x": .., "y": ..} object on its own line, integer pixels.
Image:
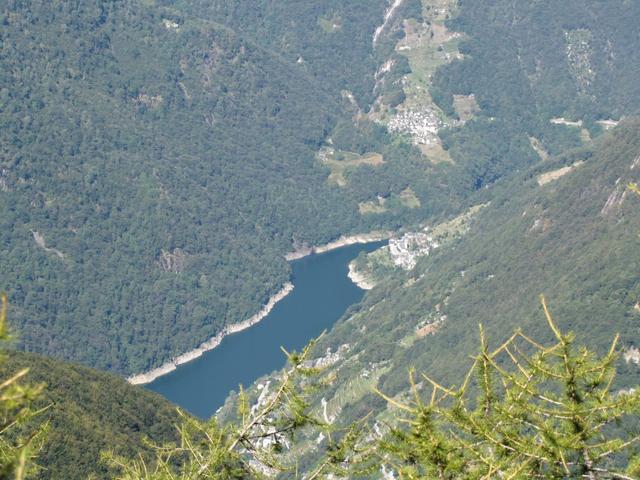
[
  {"x": 331, "y": 40},
  {"x": 149, "y": 163},
  {"x": 88, "y": 413},
  {"x": 576, "y": 60},
  {"x": 527, "y": 63},
  {"x": 567, "y": 229},
  {"x": 152, "y": 151},
  {"x": 159, "y": 158}
]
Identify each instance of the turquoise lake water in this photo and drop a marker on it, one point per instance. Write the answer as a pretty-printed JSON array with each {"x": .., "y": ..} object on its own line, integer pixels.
[{"x": 322, "y": 293}]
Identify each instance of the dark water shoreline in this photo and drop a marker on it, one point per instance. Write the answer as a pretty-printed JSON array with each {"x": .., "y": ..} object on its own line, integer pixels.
[{"x": 322, "y": 294}]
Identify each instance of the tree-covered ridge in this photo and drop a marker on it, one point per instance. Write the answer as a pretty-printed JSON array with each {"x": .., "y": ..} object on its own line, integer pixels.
[
  {"x": 57, "y": 418},
  {"x": 87, "y": 412},
  {"x": 21, "y": 438}
]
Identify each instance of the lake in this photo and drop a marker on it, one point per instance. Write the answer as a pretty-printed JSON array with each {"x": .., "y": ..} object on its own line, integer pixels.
[{"x": 322, "y": 294}]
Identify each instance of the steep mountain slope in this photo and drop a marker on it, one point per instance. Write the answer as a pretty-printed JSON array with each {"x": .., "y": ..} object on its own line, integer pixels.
[
  {"x": 151, "y": 155},
  {"x": 90, "y": 412},
  {"x": 543, "y": 73},
  {"x": 148, "y": 167},
  {"x": 332, "y": 40},
  {"x": 540, "y": 81},
  {"x": 578, "y": 59},
  {"x": 573, "y": 239}
]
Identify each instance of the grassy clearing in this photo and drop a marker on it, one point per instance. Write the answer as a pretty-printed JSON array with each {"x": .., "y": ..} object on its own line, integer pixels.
[
  {"x": 427, "y": 46},
  {"x": 329, "y": 26},
  {"x": 375, "y": 266},
  {"x": 457, "y": 226},
  {"x": 341, "y": 162},
  {"x": 465, "y": 106},
  {"x": 425, "y": 54},
  {"x": 408, "y": 198},
  {"x": 585, "y": 136},
  {"x": 556, "y": 174},
  {"x": 405, "y": 199},
  {"x": 377, "y": 206},
  {"x": 435, "y": 153}
]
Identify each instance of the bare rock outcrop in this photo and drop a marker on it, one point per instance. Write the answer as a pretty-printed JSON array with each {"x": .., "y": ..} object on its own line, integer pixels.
[{"x": 174, "y": 261}]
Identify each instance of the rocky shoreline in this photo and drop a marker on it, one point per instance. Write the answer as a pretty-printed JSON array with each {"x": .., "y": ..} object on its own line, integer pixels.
[
  {"x": 213, "y": 342},
  {"x": 343, "y": 241},
  {"x": 359, "y": 278}
]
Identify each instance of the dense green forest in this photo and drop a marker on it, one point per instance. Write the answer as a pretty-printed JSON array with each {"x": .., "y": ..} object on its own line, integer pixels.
[
  {"x": 89, "y": 412},
  {"x": 150, "y": 160},
  {"x": 529, "y": 62},
  {"x": 525, "y": 59},
  {"x": 68, "y": 416},
  {"x": 331, "y": 40}
]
